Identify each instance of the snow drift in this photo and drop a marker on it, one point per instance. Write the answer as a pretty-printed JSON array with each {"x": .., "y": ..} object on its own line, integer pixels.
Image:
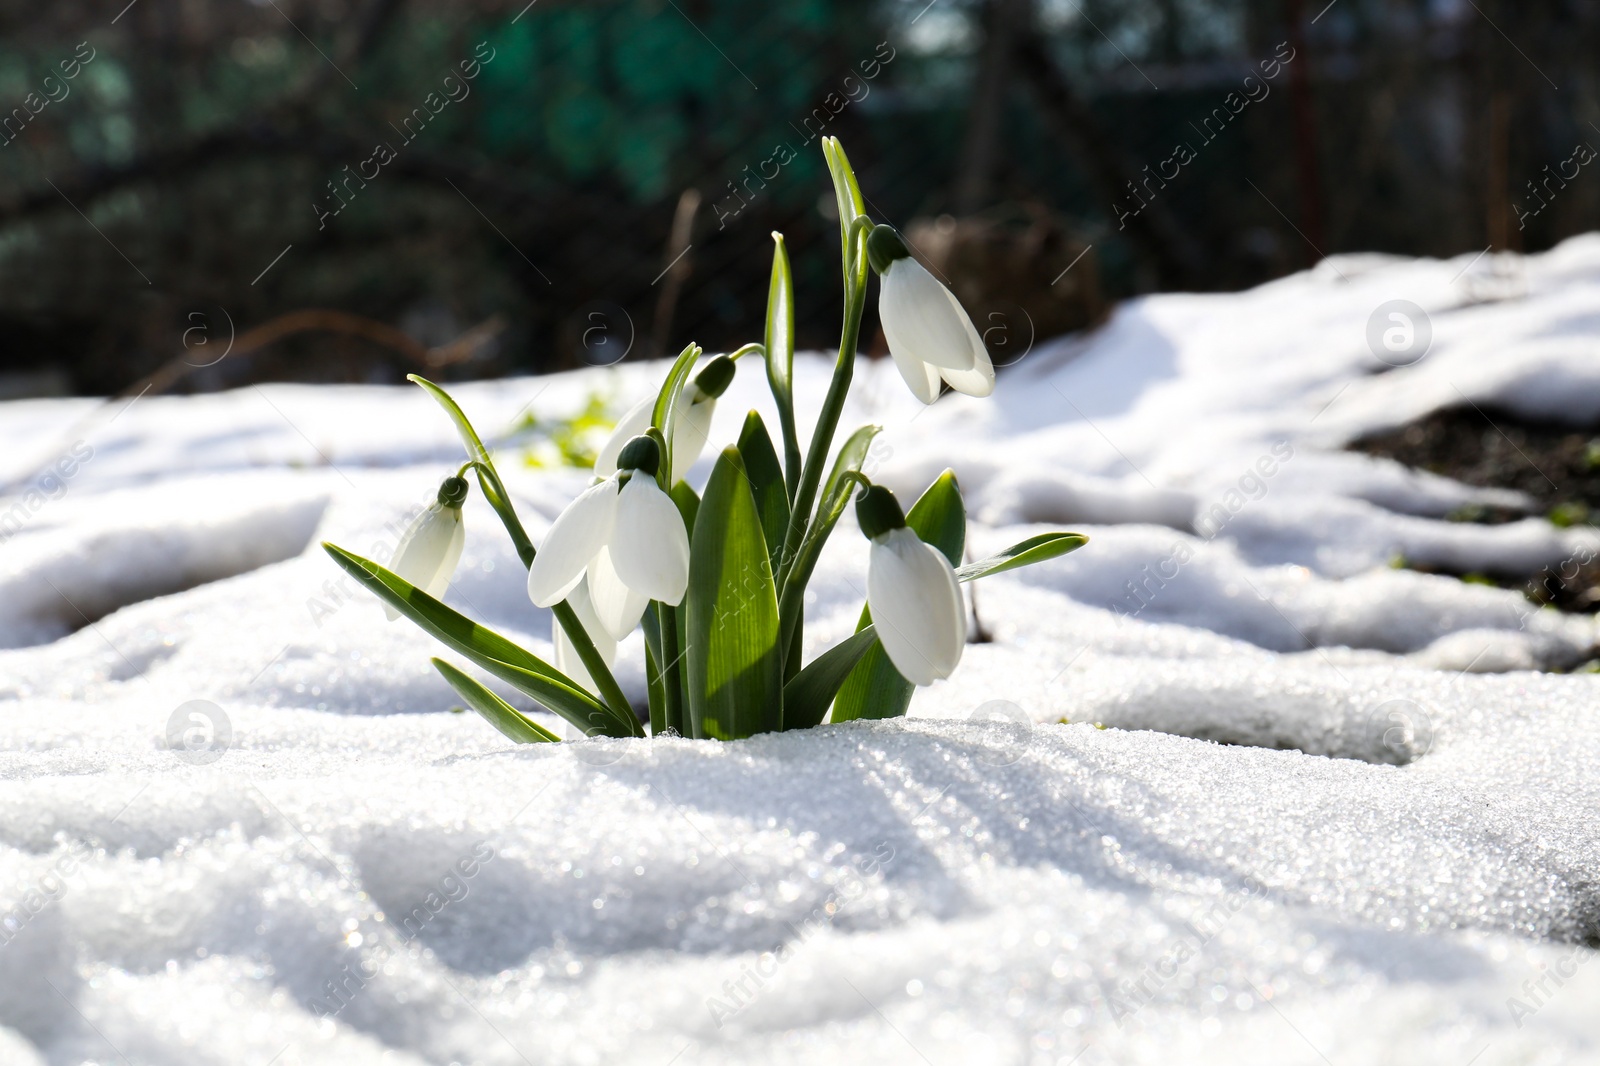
[{"x": 1224, "y": 787}]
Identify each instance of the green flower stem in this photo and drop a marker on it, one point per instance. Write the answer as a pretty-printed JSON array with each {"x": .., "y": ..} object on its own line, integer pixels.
[
  {"x": 672, "y": 671},
  {"x": 753, "y": 348},
  {"x": 859, "y": 226},
  {"x": 791, "y": 449},
  {"x": 652, "y": 677},
  {"x": 494, "y": 491},
  {"x": 827, "y": 423}
]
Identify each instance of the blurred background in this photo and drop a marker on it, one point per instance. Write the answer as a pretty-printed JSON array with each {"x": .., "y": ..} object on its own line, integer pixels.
[{"x": 351, "y": 190}]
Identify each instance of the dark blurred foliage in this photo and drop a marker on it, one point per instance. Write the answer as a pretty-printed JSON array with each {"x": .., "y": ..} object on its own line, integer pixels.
[{"x": 144, "y": 200}]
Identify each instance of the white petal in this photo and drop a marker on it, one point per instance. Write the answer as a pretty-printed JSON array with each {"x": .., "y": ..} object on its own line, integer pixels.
[
  {"x": 650, "y": 546},
  {"x": 979, "y": 381},
  {"x": 616, "y": 606},
  {"x": 629, "y": 426},
  {"x": 690, "y": 430},
  {"x": 920, "y": 378},
  {"x": 452, "y": 554},
  {"x": 920, "y": 317},
  {"x": 428, "y": 551},
  {"x": 578, "y": 533},
  {"x": 916, "y": 605},
  {"x": 566, "y": 656}
]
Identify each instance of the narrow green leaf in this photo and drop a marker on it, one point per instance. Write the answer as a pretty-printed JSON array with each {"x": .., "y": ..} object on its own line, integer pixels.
[
  {"x": 488, "y": 477},
  {"x": 846, "y": 192},
  {"x": 677, "y": 625},
  {"x": 469, "y": 436},
  {"x": 875, "y": 688},
  {"x": 507, "y": 661},
  {"x": 1035, "y": 549},
  {"x": 500, "y": 714},
  {"x": 857, "y": 203},
  {"x": 688, "y": 502},
  {"x": 808, "y": 693},
  {"x": 778, "y": 340},
  {"x": 735, "y": 666},
  {"x": 666, "y": 400},
  {"x": 779, "y": 351},
  {"x": 797, "y": 642},
  {"x": 766, "y": 484}
]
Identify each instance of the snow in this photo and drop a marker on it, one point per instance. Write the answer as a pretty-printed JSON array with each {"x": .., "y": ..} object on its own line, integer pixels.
[{"x": 1224, "y": 788}]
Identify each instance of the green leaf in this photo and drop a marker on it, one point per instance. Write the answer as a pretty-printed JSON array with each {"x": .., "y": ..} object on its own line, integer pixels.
[
  {"x": 1024, "y": 553},
  {"x": 507, "y": 661},
  {"x": 672, "y": 625},
  {"x": 766, "y": 484},
  {"x": 494, "y": 489},
  {"x": 688, "y": 502},
  {"x": 846, "y": 192},
  {"x": 797, "y": 642},
  {"x": 875, "y": 688},
  {"x": 735, "y": 667},
  {"x": 778, "y": 342},
  {"x": 939, "y": 517},
  {"x": 808, "y": 693},
  {"x": 667, "y": 399},
  {"x": 469, "y": 436},
  {"x": 500, "y": 714}
]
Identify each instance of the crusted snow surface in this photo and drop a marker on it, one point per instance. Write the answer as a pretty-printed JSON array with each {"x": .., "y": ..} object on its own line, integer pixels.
[{"x": 1224, "y": 787}]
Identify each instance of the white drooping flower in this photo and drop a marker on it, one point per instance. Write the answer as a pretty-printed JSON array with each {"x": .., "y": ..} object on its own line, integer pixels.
[
  {"x": 691, "y": 420},
  {"x": 566, "y": 658},
  {"x": 912, "y": 593},
  {"x": 616, "y": 606},
  {"x": 626, "y": 536},
  {"x": 430, "y": 547},
  {"x": 931, "y": 336}
]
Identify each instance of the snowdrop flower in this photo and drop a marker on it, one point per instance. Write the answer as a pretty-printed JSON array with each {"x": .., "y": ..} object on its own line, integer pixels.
[
  {"x": 912, "y": 592},
  {"x": 691, "y": 420},
  {"x": 930, "y": 334},
  {"x": 431, "y": 547},
  {"x": 566, "y": 656},
  {"x": 626, "y": 536}
]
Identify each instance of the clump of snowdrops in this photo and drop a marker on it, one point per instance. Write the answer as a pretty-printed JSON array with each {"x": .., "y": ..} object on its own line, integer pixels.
[{"x": 718, "y": 579}]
